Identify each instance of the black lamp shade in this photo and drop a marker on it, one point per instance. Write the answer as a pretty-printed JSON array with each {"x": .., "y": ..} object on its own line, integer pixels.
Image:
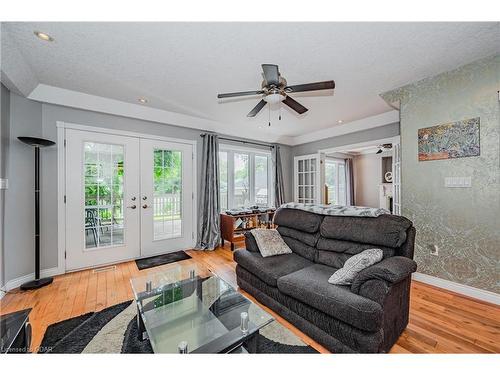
[{"x": 38, "y": 142}]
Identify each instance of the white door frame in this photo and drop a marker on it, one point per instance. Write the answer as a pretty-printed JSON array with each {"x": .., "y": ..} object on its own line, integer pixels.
[
  {"x": 61, "y": 178},
  {"x": 395, "y": 139}
]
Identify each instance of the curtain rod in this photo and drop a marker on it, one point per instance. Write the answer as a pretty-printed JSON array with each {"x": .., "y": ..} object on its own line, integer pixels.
[{"x": 245, "y": 142}]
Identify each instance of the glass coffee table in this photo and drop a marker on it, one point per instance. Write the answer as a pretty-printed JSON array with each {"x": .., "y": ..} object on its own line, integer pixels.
[{"x": 188, "y": 309}]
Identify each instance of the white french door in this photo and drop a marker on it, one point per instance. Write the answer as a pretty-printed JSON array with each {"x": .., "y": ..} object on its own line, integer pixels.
[
  {"x": 126, "y": 197},
  {"x": 102, "y": 190},
  {"x": 166, "y": 196},
  {"x": 309, "y": 178}
]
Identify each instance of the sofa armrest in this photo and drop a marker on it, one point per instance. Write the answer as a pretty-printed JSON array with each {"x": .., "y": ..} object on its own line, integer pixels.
[
  {"x": 250, "y": 243},
  {"x": 390, "y": 271}
]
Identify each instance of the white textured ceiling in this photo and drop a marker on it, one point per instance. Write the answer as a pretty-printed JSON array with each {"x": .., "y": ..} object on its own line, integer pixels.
[{"x": 180, "y": 67}]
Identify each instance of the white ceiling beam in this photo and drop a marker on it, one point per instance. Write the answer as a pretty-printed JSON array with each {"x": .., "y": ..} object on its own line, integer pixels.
[{"x": 349, "y": 127}]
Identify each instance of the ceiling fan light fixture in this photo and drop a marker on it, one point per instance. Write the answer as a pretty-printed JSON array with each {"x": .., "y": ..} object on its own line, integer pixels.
[
  {"x": 43, "y": 36},
  {"x": 274, "y": 98}
]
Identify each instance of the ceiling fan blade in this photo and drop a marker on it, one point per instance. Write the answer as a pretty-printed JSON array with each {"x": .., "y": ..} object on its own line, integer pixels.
[
  {"x": 325, "y": 85},
  {"x": 271, "y": 74},
  {"x": 241, "y": 93},
  {"x": 256, "y": 109},
  {"x": 295, "y": 105}
]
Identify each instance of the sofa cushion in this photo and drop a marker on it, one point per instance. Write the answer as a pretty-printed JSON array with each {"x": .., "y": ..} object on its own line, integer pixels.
[
  {"x": 385, "y": 230},
  {"x": 301, "y": 248},
  {"x": 310, "y": 286},
  {"x": 270, "y": 269},
  {"x": 309, "y": 239},
  {"x": 297, "y": 219},
  {"x": 334, "y": 253},
  {"x": 250, "y": 243}
]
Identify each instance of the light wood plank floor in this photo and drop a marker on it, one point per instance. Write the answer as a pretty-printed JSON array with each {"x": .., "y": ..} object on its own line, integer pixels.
[{"x": 440, "y": 321}]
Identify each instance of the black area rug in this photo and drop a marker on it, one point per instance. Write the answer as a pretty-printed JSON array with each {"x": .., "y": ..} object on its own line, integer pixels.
[
  {"x": 160, "y": 260},
  {"x": 84, "y": 334}
]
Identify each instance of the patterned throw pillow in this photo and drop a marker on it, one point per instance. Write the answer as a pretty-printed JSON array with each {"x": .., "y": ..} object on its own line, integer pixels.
[
  {"x": 270, "y": 242},
  {"x": 354, "y": 265}
]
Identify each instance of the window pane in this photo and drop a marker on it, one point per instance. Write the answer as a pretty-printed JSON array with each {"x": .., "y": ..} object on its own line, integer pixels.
[
  {"x": 167, "y": 194},
  {"x": 241, "y": 180},
  {"x": 223, "y": 186},
  {"x": 261, "y": 193},
  {"x": 103, "y": 185}
]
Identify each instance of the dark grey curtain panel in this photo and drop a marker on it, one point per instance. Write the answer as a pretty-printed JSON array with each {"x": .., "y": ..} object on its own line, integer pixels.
[
  {"x": 209, "y": 209},
  {"x": 349, "y": 180},
  {"x": 279, "y": 188}
]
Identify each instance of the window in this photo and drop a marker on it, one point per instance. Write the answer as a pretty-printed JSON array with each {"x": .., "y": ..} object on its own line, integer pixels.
[
  {"x": 244, "y": 178},
  {"x": 335, "y": 181}
]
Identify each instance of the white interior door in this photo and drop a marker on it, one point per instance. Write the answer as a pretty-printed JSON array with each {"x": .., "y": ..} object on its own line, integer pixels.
[
  {"x": 396, "y": 178},
  {"x": 102, "y": 199},
  {"x": 166, "y": 197},
  {"x": 309, "y": 178}
]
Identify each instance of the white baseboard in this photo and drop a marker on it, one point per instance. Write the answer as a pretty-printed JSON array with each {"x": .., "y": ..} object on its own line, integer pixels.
[
  {"x": 18, "y": 281},
  {"x": 466, "y": 290}
]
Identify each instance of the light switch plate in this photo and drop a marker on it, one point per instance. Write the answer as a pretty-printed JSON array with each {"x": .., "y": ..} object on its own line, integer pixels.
[
  {"x": 458, "y": 182},
  {"x": 4, "y": 183}
]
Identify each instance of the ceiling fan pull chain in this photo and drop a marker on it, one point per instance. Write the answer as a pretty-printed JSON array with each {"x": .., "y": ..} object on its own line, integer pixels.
[
  {"x": 269, "y": 115},
  {"x": 280, "y": 113}
]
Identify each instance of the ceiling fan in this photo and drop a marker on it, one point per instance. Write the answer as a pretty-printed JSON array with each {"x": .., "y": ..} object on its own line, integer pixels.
[
  {"x": 275, "y": 90},
  {"x": 383, "y": 147}
]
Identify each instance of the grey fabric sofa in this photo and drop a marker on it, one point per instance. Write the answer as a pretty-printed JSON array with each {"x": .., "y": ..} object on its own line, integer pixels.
[{"x": 365, "y": 317}]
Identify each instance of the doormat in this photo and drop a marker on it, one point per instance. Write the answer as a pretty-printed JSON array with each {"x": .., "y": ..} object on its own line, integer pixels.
[{"x": 160, "y": 260}]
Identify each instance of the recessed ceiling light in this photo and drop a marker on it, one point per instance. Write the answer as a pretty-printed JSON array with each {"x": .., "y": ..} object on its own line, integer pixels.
[
  {"x": 340, "y": 122},
  {"x": 142, "y": 100},
  {"x": 43, "y": 36}
]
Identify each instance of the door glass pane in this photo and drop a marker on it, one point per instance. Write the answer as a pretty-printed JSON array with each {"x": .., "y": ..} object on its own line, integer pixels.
[
  {"x": 103, "y": 185},
  {"x": 167, "y": 194},
  {"x": 223, "y": 187},
  {"x": 261, "y": 193},
  {"x": 241, "y": 180}
]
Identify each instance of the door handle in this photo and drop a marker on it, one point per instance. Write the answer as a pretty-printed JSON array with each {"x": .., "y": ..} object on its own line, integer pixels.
[
  {"x": 144, "y": 206},
  {"x": 132, "y": 207}
]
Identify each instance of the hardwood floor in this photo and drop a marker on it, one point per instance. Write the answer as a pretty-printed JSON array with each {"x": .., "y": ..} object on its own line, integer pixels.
[{"x": 440, "y": 321}]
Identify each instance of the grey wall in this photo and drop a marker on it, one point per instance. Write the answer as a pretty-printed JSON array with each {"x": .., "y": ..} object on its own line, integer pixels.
[
  {"x": 386, "y": 131},
  {"x": 4, "y": 153},
  {"x": 25, "y": 119},
  {"x": 33, "y": 118},
  {"x": 463, "y": 223}
]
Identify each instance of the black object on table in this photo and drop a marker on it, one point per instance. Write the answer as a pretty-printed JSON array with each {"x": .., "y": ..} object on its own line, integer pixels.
[
  {"x": 15, "y": 329},
  {"x": 37, "y": 143}
]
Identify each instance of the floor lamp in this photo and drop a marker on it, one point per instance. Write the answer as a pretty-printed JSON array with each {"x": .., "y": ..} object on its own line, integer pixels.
[{"x": 37, "y": 143}]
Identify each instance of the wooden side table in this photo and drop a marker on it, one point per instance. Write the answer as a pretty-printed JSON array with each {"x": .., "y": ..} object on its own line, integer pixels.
[{"x": 228, "y": 223}]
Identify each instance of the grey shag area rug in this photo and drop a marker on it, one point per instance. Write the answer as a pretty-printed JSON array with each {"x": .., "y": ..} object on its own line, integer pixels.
[{"x": 114, "y": 330}]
